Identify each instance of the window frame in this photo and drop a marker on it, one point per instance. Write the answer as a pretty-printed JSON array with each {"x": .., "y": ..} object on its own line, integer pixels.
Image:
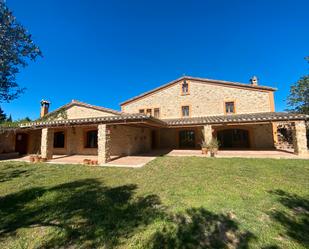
[
  {"x": 64, "y": 139},
  {"x": 141, "y": 111},
  {"x": 154, "y": 111},
  {"x": 86, "y": 145},
  {"x": 147, "y": 113},
  {"x": 181, "y": 88},
  {"x": 225, "y": 105},
  {"x": 189, "y": 110}
]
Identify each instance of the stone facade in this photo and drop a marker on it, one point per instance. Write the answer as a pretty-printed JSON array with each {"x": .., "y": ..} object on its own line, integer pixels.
[
  {"x": 7, "y": 142},
  {"x": 77, "y": 111},
  {"x": 203, "y": 99},
  {"x": 104, "y": 147},
  {"x": 260, "y": 135},
  {"x": 299, "y": 138},
  {"x": 47, "y": 139},
  {"x": 129, "y": 140}
]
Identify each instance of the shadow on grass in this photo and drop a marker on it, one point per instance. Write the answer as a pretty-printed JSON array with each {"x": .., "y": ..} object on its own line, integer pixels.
[
  {"x": 199, "y": 228},
  {"x": 8, "y": 174},
  {"x": 84, "y": 213},
  {"x": 296, "y": 218},
  {"x": 88, "y": 214}
]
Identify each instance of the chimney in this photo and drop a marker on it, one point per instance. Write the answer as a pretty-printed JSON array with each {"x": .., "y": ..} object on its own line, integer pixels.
[
  {"x": 44, "y": 107},
  {"x": 254, "y": 81}
]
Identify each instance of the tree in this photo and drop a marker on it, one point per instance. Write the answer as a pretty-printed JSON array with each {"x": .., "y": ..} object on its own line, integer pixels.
[
  {"x": 9, "y": 119},
  {"x": 298, "y": 99},
  {"x": 16, "y": 49},
  {"x": 2, "y": 116}
]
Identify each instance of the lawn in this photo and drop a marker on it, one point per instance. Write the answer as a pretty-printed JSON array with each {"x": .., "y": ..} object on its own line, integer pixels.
[{"x": 172, "y": 202}]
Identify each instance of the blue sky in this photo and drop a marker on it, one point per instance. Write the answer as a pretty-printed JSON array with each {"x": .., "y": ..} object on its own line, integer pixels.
[{"x": 104, "y": 52}]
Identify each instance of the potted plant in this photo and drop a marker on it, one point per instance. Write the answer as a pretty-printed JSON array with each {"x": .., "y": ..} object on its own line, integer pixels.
[
  {"x": 31, "y": 158},
  {"x": 213, "y": 147},
  {"x": 204, "y": 147}
]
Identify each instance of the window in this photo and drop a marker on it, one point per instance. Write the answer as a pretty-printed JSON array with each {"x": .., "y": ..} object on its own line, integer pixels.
[
  {"x": 156, "y": 112},
  {"x": 92, "y": 139},
  {"x": 59, "y": 139},
  {"x": 149, "y": 112},
  {"x": 141, "y": 111},
  {"x": 185, "y": 88},
  {"x": 185, "y": 111},
  {"x": 229, "y": 107}
]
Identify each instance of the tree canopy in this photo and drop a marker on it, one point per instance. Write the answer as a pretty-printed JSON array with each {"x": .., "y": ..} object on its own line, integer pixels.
[
  {"x": 298, "y": 100},
  {"x": 16, "y": 50}
]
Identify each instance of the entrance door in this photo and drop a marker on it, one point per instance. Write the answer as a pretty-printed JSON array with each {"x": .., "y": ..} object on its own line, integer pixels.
[
  {"x": 187, "y": 139},
  {"x": 21, "y": 143},
  {"x": 233, "y": 138}
]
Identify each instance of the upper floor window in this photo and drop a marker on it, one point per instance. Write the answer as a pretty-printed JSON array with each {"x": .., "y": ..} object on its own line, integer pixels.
[
  {"x": 185, "y": 111},
  {"x": 92, "y": 139},
  {"x": 156, "y": 112},
  {"x": 149, "y": 112},
  {"x": 184, "y": 87},
  {"x": 230, "y": 107},
  {"x": 141, "y": 111},
  {"x": 59, "y": 139}
]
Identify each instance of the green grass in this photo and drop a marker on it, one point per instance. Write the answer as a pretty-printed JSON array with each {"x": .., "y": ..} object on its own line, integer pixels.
[{"x": 172, "y": 202}]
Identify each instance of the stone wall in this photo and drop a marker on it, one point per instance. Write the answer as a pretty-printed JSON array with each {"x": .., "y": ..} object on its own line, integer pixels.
[
  {"x": 129, "y": 140},
  {"x": 77, "y": 111},
  {"x": 34, "y": 143},
  {"x": 300, "y": 138},
  {"x": 263, "y": 136},
  {"x": 260, "y": 135},
  {"x": 7, "y": 142},
  {"x": 203, "y": 99}
]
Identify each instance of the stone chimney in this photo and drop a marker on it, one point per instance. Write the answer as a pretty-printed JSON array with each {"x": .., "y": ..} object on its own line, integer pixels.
[
  {"x": 254, "y": 81},
  {"x": 44, "y": 107}
]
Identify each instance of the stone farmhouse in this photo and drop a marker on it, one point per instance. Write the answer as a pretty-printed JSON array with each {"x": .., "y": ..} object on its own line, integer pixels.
[{"x": 175, "y": 115}]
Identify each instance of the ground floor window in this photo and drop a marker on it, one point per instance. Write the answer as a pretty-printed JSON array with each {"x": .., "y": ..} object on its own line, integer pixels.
[
  {"x": 233, "y": 138},
  {"x": 187, "y": 139},
  {"x": 59, "y": 139},
  {"x": 92, "y": 139}
]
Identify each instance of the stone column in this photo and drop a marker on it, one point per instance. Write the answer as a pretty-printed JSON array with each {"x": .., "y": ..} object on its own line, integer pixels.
[
  {"x": 299, "y": 138},
  {"x": 47, "y": 140},
  {"x": 103, "y": 144},
  {"x": 207, "y": 133},
  {"x": 71, "y": 140}
]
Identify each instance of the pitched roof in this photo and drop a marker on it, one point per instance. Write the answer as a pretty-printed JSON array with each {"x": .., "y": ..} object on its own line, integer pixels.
[
  {"x": 123, "y": 118},
  {"x": 203, "y": 80},
  {"x": 79, "y": 103},
  {"x": 238, "y": 118}
]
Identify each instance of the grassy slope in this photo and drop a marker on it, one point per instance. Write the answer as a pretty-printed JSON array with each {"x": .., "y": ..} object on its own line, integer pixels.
[{"x": 170, "y": 203}]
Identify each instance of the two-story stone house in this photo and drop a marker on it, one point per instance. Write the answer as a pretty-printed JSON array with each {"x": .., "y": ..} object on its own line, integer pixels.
[{"x": 175, "y": 115}]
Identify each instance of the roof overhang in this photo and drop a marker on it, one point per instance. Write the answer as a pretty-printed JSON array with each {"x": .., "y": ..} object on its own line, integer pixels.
[
  {"x": 237, "y": 119},
  {"x": 119, "y": 119},
  {"x": 142, "y": 119}
]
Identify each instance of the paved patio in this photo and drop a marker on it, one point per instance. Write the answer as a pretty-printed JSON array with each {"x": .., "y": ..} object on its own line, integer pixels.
[{"x": 140, "y": 160}]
